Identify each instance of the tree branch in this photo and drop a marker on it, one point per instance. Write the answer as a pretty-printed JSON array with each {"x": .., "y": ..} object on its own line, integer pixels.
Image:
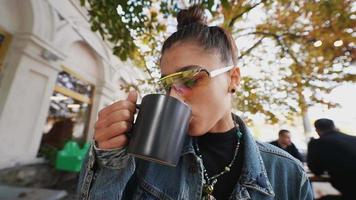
[
  {"x": 270, "y": 34},
  {"x": 285, "y": 48},
  {"x": 232, "y": 22},
  {"x": 251, "y": 48}
]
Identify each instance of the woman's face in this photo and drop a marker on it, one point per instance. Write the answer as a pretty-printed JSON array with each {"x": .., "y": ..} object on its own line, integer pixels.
[{"x": 209, "y": 99}]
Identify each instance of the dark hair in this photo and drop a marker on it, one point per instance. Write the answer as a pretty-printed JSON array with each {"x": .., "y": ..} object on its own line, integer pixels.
[
  {"x": 324, "y": 124},
  {"x": 192, "y": 26},
  {"x": 283, "y": 131}
]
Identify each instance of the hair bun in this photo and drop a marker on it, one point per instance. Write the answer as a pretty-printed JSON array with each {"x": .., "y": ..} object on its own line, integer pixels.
[{"x": 194, "y": 14}]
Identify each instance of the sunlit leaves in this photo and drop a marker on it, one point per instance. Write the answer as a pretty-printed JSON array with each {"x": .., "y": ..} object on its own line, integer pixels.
[{"x": 310, "y": 45}]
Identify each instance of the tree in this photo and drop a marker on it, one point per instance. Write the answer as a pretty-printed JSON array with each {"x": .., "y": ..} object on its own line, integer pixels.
[
  {"x": 317, "y": 38},
  {"x": 310, "y": 45}
]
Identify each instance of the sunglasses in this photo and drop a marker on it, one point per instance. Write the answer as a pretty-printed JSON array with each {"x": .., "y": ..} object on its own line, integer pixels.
[{"x": 189, "y": 78}]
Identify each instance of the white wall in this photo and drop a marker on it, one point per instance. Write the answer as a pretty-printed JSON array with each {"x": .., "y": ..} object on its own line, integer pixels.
[
  {"x": 25, "y": 91},
  {"x": 42, "y": 42}
]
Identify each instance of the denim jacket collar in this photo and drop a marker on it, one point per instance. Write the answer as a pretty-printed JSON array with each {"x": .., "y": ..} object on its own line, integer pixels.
[{"x": 253, "y": 175}]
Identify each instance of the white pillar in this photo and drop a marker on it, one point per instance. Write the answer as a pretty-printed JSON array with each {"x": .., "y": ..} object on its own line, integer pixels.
[
  {"x": 28, "y": 82},
  {"x": 103, "y": 96}
]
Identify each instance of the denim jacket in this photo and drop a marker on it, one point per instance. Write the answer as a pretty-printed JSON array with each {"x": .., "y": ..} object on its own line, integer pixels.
[{"x": 267, "y": 173}]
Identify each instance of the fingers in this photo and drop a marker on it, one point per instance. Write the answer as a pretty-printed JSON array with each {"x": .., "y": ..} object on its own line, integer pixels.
[
  {"x": 107, "y": 112},
  {"x": 114, "y": 121},
  {"x": 120, "y": 105},
  {"x": 116, "y": 129},
  {"x": 116, "y": 116},
  {"x": 132, "y": 97},
  {"x": 115, "y": 142}
]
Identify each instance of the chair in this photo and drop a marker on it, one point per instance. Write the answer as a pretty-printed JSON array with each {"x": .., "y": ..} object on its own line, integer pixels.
[{"x": 71, "y": 157}]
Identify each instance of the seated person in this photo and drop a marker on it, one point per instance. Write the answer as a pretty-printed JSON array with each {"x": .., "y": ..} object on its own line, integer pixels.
[{"x": 284, "y": 142}]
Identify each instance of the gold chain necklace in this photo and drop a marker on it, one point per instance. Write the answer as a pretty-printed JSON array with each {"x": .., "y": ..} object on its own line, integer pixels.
[{"x": 208, "y": 186}]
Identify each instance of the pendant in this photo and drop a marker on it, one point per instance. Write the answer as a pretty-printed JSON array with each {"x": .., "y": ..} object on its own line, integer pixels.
[
  {"x": 209, "y": 197},
  {"x": 208, "y": 189},
  {"x": 207, "y": 192}
]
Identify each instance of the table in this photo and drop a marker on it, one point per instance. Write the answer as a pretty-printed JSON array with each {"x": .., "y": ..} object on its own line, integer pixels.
[
  {"x": 321, "y": 185},
  {"x": 321, "y": 178}
]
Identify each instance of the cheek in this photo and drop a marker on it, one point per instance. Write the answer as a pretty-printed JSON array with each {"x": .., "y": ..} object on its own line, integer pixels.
[
  {"x": 209, "y": 96},
  {"x": 208, "y": 105},
  {"x": 217, "y": 100},
  {"x": 206, "y": 113}
]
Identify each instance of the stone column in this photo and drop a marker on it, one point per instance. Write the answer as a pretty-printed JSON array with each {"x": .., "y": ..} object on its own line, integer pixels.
[{"x": 27, "y": 85}]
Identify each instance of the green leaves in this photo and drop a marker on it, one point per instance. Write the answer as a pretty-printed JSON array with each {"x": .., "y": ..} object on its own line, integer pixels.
[{"x": 315, "y": 40}]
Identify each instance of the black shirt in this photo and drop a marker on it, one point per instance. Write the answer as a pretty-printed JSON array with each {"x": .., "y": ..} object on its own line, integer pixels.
[
  {"x": 335, "y": 153},
  {"x": 291, "y": 149},
  {"x": 217, "y": 150}
]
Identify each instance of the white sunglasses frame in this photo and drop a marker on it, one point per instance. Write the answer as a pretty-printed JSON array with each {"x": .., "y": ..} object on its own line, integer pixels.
[{"x": 211, "y": 74}]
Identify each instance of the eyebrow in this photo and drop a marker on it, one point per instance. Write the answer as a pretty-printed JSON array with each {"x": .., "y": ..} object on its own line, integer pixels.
[{"x": 185, "y": 68}]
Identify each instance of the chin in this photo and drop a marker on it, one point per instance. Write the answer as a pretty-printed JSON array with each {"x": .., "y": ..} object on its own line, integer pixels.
[{"x": 195, "y": 134}]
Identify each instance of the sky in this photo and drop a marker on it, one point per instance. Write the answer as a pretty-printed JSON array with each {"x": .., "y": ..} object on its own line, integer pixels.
[
  {"x": 345, "y": 95},
  {"x": 344, "y": 116}
]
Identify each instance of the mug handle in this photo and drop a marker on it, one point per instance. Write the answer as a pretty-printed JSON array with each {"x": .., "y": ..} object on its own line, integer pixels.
[{"x": 129, "y": 134}]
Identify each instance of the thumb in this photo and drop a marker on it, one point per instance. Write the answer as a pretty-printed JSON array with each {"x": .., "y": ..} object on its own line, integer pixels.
[{"x": 132, "y": 96}]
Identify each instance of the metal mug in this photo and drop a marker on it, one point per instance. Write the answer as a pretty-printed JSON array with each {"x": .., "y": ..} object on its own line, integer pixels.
[{"x": 160, "y": 129}]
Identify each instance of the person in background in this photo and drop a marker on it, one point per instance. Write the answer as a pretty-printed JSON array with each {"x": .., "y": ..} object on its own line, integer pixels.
[
  {"x": 335, "y": 153},
  {"x": 284, "y": 142}
]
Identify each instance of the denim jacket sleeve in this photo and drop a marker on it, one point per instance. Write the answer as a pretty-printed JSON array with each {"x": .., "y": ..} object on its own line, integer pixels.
[
  {"x": 105, "y": 174},
  {"x": 306, "y": 191}
]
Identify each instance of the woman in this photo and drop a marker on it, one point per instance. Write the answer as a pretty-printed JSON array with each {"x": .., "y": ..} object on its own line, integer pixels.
[{"x": 219, "y": 160}]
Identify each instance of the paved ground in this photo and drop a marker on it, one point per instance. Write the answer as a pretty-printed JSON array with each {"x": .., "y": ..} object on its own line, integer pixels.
[
  {"x": 21, "y": 193},
  {"x": 39, "y": 176}
]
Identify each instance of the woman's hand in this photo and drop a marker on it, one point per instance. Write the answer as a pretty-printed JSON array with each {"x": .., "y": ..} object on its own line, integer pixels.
[{"x": 114, "y": 121}]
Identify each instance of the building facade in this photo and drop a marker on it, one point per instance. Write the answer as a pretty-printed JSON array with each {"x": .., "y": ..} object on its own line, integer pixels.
[{"x": 49, "y": 59}]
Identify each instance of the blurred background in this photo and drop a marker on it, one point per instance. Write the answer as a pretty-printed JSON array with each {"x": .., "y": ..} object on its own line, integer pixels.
[{"x": 62, "y": 61}]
